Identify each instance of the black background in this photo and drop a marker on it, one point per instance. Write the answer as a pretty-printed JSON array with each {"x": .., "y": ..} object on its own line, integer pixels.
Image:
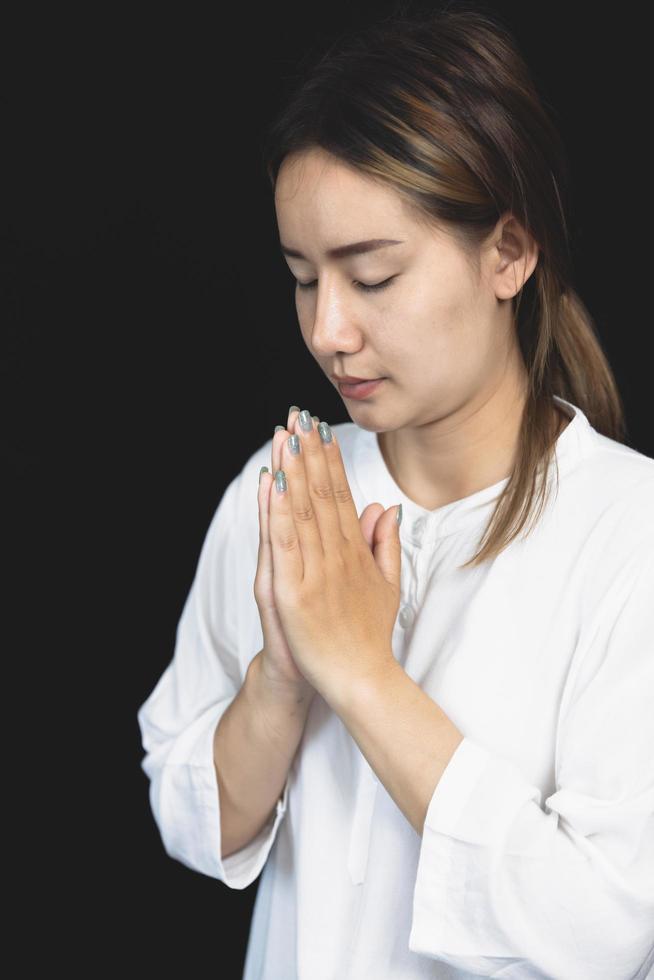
[{"x": 141, "y": 276}]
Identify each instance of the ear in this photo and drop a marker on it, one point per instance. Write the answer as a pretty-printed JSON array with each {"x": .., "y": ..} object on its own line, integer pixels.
[{"x": 514, "y": 255}]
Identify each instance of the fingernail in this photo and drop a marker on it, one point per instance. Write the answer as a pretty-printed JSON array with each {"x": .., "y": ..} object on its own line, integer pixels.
[
  {"x": 264, "y": 469},
  {"x": 325, "y": 432},
  {"x": 315, "y": 419},
  {"x": 280, "y": 481},
  {"x": 294, "y": 408},
  {"x": 398, "y": 516},
  {"x": 306, "y": 422},
  {"x": 278, "y": 427},
  {"x": 294, "y": 444}
]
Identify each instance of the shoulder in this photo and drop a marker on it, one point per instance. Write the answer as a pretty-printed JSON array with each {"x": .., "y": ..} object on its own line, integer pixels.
[
  {"x": 615, "y": 485},
  {"x": 606, "y": 520}
]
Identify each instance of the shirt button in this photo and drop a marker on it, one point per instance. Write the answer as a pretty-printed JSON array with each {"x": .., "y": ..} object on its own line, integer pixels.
[
  {"x": 406, "y": 616},
  {"x": 419, "y": 526}
]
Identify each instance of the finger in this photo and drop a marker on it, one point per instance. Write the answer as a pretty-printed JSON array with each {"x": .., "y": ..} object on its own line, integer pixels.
[
  {"x": 263, "y": 582},
  {"x": 319, "y": 484},
  {"x": 281, "y": 435},
  {"x": 301, "y": 503},
  {"x": 368, "y": 521},
  {"x": 293, "y": 413},
  {"x": 265, "y": 480},
  {"x": 345, "y": 505},
  {"x": 288, "y": 566}
]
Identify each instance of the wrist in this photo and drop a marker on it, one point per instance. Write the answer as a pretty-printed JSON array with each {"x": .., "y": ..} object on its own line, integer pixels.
[{"x": 276, "y": 699}]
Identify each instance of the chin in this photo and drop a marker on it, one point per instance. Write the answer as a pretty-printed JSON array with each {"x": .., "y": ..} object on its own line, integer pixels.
[{"x": 369, "y": 426}]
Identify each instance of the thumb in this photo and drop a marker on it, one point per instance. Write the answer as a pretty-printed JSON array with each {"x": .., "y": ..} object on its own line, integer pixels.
[
  {"x": 386, "y": 546},
  {"x": 367, "y": 520}
]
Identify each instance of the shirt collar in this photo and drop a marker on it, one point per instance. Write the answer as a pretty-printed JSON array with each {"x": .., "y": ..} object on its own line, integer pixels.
[{"x": 377, "y": 484}]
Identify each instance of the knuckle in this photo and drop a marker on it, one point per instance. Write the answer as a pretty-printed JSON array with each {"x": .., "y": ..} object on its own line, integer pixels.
[
  {"x": 303, "y": 514},
  {"x": 287, "y": 541},
  {"x": 343, "y": 495},
  {"x": 323, "y": 491},
  {"x": 312, "y": 447}
]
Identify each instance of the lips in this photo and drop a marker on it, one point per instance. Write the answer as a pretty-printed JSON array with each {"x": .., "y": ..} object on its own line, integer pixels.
[
  {"x": 348, "y": 379},
  {"x": 362, "y": 389}
]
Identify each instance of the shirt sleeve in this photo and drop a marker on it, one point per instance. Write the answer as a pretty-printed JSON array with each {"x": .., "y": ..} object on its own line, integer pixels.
[
  {"x": 506, "y": 887},
  {"x": 178, "y": 719}
]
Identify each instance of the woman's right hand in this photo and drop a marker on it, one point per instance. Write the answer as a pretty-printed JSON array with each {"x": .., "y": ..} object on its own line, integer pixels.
[{"x": 278, "y": 665}]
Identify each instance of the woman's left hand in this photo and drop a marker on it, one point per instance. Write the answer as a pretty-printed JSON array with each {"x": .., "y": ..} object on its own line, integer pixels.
[{"x": 337, "y": 597}]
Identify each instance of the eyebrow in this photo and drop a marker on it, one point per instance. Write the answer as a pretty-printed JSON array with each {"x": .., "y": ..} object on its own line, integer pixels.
[{"x": 342, "y": 251}]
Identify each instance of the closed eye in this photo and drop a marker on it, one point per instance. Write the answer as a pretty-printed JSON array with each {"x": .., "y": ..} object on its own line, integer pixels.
[{"x": 362, "y": 285}]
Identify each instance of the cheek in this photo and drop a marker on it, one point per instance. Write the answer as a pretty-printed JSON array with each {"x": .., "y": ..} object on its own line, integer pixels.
[
  {"x": 304, "y": 321},
  {"x": 436, "y": 340},
  {"x": 436, "y": 301}
]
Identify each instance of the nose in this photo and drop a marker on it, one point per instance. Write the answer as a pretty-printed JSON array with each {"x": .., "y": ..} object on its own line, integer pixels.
[{"x": 334, "y": 325}]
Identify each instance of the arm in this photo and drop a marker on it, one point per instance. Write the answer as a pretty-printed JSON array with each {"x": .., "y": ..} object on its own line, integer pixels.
[
  {"x": 179, "y": 718},
  {"x": 507, "y": 882},
  {"x": 405, "y": 736},
  {"x": 254, "y": 744}
]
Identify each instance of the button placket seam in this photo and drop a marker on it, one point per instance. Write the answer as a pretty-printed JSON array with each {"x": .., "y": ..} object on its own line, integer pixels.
[
  {"x": 409, "y": 604},
  {"x": 422, "y": 567},
  {"x": 416, "y": 575}
]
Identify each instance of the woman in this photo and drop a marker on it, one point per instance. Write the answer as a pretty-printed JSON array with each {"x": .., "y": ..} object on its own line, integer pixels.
[{"x": 441, "y": 754}]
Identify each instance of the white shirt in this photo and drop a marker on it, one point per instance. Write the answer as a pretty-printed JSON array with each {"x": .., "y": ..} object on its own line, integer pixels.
[{"x": 537, "y": 855}]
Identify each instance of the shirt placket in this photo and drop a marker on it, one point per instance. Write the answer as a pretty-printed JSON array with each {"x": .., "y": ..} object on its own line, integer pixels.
[
  {"x": 424, "y": 557},
  {"x": 418, "y": 534},
  {"x": 367, "y": 782}
]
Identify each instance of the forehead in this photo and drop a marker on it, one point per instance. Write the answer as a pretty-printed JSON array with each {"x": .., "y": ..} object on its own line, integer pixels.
[
  {"x": 314, "y": 171},
  {"x": 320, "y": 198}
]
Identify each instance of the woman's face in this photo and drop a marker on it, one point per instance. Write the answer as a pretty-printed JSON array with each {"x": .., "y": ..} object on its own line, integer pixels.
[{"x": 440, "y": 332}]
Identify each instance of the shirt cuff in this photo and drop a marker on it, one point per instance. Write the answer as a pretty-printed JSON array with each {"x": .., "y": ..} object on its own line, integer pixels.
[
  {"x": 476, "y": 795},
  {"x": 242, "y": 867},
  {"x": 469, "y": 816}
]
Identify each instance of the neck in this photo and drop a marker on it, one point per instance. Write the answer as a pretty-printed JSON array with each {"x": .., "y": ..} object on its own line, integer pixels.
[{"x": 467, "y": 450}]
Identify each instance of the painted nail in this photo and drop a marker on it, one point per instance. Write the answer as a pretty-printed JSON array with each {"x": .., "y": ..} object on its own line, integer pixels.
[
  {"x": 278, "y": 427},
  {"x": 306, "y": 422},
  {"x": 294, "y": 408},
  {"x": 294, "y": 444},
  {"x": 280, "y": 481},
  {"x": 315, "y": 419},
  {"x": 264, "y": 469},
  {"x": 398, "y": 516},
  {"x": 325, "y": 432}
]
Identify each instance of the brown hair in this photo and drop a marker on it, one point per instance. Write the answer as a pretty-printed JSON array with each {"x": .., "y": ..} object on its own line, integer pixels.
[{"x": 440, "y": 105}]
